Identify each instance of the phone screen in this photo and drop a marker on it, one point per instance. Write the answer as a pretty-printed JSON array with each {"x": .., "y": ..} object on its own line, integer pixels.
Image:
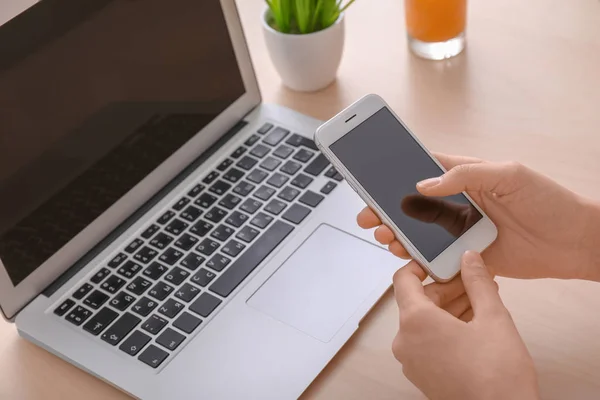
[{"x": 388, "y": 162}]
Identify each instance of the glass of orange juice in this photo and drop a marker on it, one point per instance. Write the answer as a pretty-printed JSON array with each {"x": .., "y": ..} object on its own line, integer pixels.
[{"x": 436, "y": 28}]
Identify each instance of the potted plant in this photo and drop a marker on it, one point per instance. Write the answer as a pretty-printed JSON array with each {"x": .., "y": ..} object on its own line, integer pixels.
[{"x": 305, "y": 39}]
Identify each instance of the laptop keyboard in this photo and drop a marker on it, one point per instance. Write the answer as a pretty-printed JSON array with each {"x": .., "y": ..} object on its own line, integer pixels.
[{"x": 160, "y": 287}]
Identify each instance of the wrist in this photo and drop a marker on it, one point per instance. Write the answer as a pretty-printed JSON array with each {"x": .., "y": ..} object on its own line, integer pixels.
[{"x": 590, "y": 250}]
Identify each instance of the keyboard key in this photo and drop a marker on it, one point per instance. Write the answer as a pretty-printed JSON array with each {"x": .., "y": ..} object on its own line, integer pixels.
[
  {"x": 176, "y": 227},
  {"x": 265, "y": 128},
  {"x": 192, "y": 261},
  {"x": 277, "y": 180},
  {"x": 218, "y": 262},
  {"x": 311, "y": 198},
  {"x": 203, "y": 277},
  {"x": 236, "y": 219},
  {"x": 187, "y": 292},
  {"x": 123, "y": 300},
  {"x": 184, "y": 201},
  {"x": 296, "y": 213},
  {"x": 257, "y": 175},
  {"x": 201, "y": 228},
  {"x": 196, "y": 190},
  {"x": 251, "y": 205},
  {"x": 244, "y": 188},
  {"x": 82, "y": 291},
  {"x": 264, "y": 193},
  {"x": 100, "y": 275},
  {"x": 133, "y": 246},
  {"x": 117, "y": 260},
  {"x": 246, "y": 163},
  {"x": 302, "y": 181},
  {"x": 150, "y": 231},
  {"x": 134, "y": 343},
  {"x": 338, "y": 177},
  {"x": 256, "y": 253},
  {"x": 129, "y": 269},
  {"x": 233, "y": 248},
  {"x": 160, "y": 291},
  {"x": 297, "y": 140},
  {"x": 154, "y": 324},
  {"x": 290, "y": 167},
  {"x": 138, "y": 285},
  {"x": 222, "y": 232},
  {"x": 170, "y": 339},
  {"x": 215, "y": 214},
  {"x": 303, "y": 155},
  {"x": 233, "y": 175},
  {"x": 113, "y": 284},
  {"x": 225, "y": 164},
  {"x": 145, "y": 255},
  {"x": 283, "y": 151},
  {"x": 155, "y": 270},
  {"x": 329, "y": 186},
  {"x": 171, "y": 256},
  {"x": 288, "y": 193},
  {"x": 64, "y": 307},
  {"x": 220, "y": 187},
  {"x": 275, "y": 207},
  {"x": 176, "y": 276},
  {"x": 251, "y": 140},
  {"x": 270, "y": 163},
  {"x": 331, "y": 172},
  {"x": 260, "y": 151},
  {"x": 187, "y": 322},
  {"x": 161, "y": 240},
  {"x": 166, "y": 217},
  {"x": 261, "y": 220},
  {"x": 238, "y": 152},
  {"x": 207, "y": 247},
  {"x": 230, "y": 201},
  {"x": 205, "y": 304},
  {"x": 317, "y": 165},
  {"x": 208, "y": 179},
  {"x": 78, "y": 315},
  {"x": 100, "y": 321},
  {"x": 171, "y": 308},
  {"x": 120, "y": 328},
  {"x": 186, "y": 242},
  {"x": 206, "y": 200},
  {"x": 247, "y": 234},
  {"x": 276, "y": 136},
  {"x": 144, "y": 306},
  {"x": 191, "y": 214},
  {"x": 153, "y": 356},
  {"x": 96, "y": 299}
]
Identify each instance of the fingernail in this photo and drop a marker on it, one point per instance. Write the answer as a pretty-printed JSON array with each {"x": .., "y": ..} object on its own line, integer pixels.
[
  {"x": 429, "y": 183},
  {"x": 473, "y": 258}
]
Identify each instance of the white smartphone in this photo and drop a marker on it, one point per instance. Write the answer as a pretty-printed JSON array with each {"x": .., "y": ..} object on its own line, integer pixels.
[{"x": 383, "y": 161}]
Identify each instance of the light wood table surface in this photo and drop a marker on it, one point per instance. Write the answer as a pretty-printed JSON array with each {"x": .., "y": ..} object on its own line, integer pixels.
[{"x": 527, "y": 89}]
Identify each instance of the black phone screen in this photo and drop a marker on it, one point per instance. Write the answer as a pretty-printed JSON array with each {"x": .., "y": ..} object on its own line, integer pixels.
[{"x": 388, "y": 162}]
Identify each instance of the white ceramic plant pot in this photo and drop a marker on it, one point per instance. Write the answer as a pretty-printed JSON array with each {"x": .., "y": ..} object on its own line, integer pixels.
[{"x": 307, "y": 62}]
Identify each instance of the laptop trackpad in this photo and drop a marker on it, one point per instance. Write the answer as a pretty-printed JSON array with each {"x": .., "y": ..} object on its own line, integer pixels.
[{"x": 321, "y": 285}]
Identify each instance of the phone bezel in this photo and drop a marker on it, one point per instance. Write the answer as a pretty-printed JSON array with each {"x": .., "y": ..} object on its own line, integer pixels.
[{"x": 447, "y": 264}]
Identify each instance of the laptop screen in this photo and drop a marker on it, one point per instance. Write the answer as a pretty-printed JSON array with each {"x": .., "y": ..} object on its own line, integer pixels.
[{"x": 94, "y": 95}]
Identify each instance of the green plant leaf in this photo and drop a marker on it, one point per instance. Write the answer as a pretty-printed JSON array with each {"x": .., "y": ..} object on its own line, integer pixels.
[{"x": 304, "y": 16}]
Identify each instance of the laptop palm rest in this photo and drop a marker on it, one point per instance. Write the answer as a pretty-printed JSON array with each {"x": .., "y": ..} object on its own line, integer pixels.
[{"x": 322, "y": 284}]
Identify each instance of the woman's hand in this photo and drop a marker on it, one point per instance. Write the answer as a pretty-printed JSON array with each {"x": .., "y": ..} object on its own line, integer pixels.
[
  {"x": 448, "y": 358},
  {"x": 544, "y": 230}
]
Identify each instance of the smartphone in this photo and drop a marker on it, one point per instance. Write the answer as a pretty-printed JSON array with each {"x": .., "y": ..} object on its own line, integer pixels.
[{"x": 382, "y": 160}]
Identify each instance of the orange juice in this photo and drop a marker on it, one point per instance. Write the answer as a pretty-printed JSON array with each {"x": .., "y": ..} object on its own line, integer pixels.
[{"x": 435, "y": 20}]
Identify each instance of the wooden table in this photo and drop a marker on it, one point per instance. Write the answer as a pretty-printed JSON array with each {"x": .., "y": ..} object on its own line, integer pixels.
[{"x": 527, "y": 88}]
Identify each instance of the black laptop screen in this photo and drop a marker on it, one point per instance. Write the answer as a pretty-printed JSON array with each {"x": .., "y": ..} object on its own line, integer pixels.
[{"x": 94, "y": 95}]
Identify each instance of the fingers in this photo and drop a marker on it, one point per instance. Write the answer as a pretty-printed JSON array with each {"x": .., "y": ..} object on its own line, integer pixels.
[
  {"x": 442, "y": 294},
  {"x": 458, "y": 306},
  {"x": 398, "y": 250},
  {"x": 367, "y": 219},
  {"x": 408, "y": 286},
  {"x": 467, "y": 316},
  {"x": 384, "y": 235},
  {"x": 450, "y": 161},
  {"x": 480, "y": 286}
]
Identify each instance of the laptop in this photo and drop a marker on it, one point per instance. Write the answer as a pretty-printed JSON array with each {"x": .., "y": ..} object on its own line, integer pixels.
[{"x": 160, "y": 227}]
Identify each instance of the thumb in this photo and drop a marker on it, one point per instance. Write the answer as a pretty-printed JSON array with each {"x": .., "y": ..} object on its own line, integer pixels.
[{"x": 479, "y": 285}]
